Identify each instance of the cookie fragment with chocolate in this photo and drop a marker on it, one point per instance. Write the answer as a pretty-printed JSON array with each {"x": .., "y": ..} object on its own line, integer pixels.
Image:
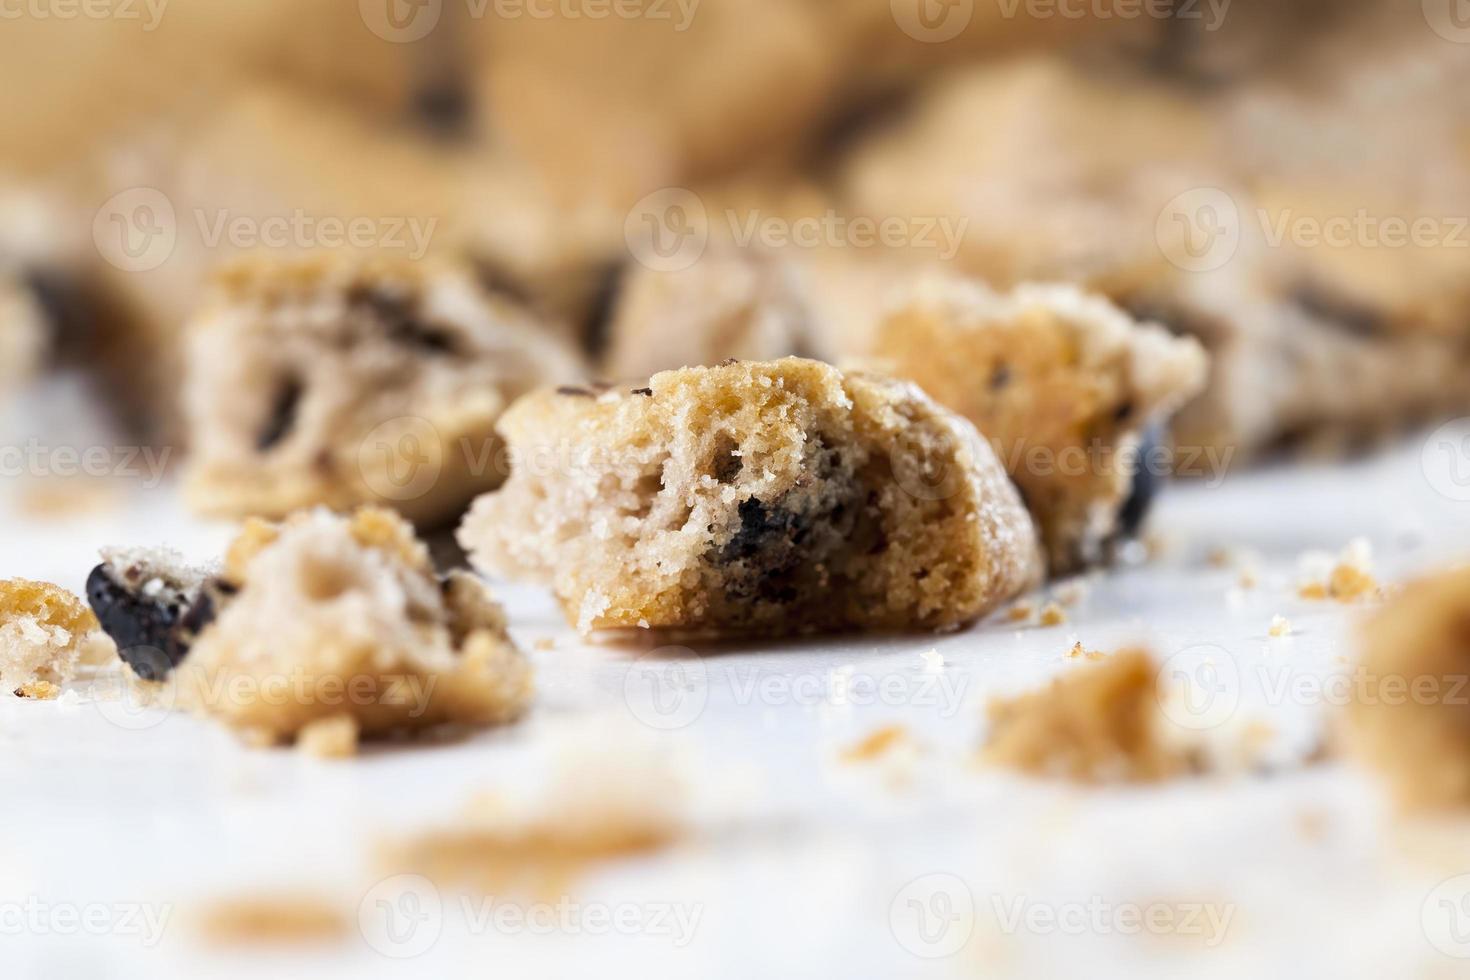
[
  {"x": 338, "y": 383},
  {"x": 1072, "y": 392},
  {"x": 344, "y": 620},
  {"x": 757, "y": 498}
]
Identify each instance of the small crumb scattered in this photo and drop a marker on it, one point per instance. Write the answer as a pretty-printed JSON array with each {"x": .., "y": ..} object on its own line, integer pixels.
[
  {"x": 329, "y": 738},
  {"x": 876, "y": 744},
  {"x": 933, "y": 660},
  {"x": 261, "y": 920},
  {"x": 1072, "y": 592},
  {"x": 1020, "y": 612},
  {"x": 1348, "y": 579},
  {"x": 544, "y": 643},
  {"x": 1280, "y": 626},
  {"x": 39, "y": 691},
  {"x": 1079, "y": 652},
  {"x": 605, "y": 797},
  {"x": 1097, "y": 724},
  {"x": 1052, "y": 614}
]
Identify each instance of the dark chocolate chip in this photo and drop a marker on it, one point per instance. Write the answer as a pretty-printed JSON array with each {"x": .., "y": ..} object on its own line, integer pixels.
[
  {"x": 1146, "y": 485},
  {"x": 444, "y": 107},
  {"x": 395, "y": 313},
  {"x": 596, "y": 326},
  {"x": 1000, "y": 377},
  {"x": 283, "y": 416},
  {"x": 152, "y": 636},
  {"x": 1344, "y": 314},
  {"x": 646, "y": 392}
]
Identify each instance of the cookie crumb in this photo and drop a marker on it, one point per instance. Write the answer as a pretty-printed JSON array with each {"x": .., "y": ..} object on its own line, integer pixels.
[
  {"x": 329, "y": 738},
  {"x": 1072, "y": 593},
  {"x": 1100, "y": 723},
  {"x": 606, "y": 798},
  {"x": 43, "y": 631},
  {"x": 877, "y": 743},
  {"x": 933, "y": 660},
  {"x": 1020, "y": 612},
  {"x": 1079, "y": 652},
  {"x": 1348, "y": 579},
  {"x": 1052, "y": 614},
  {"x": 544, "y": 643},
  {"x": 1280, "y": 626},
  {"x": 263, "y": 920}
]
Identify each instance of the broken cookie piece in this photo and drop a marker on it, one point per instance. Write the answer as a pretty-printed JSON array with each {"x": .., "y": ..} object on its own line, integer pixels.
[
  {"x": 322, "y": 627},
  {"x": 1099, "y": 723},
  {"x": 1411, "y": 697},
  {"x": 338, "y": 383},
  {"x": 345, "y": 615},
  {"x": 1071, "y": 391},
  {"x": 43, "y": 629},
  {"x": 765, "y": 498}
]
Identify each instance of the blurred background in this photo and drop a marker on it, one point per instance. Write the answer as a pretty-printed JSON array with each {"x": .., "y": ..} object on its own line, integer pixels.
[{"x": 1286, "y": 181}]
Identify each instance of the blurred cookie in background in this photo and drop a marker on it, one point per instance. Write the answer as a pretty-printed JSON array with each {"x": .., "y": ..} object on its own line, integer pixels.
[{"x": 334, "y": 382}]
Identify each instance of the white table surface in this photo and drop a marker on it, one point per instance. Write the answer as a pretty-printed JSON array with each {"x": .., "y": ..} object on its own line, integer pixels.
[{"x": 795, "y": 863}]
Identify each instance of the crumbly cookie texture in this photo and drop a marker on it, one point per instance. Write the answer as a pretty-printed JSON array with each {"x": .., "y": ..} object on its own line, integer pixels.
[
  {"x": 43, "y": 631},
  {"x": 765, "y": 498},
  {"x": 1411, "y": 707},
  {"x": 1068, "y": 388},
  {"x": 337, "y": 382},
  {"x": 324, "y": 627},
  {"x": 1099, "y": 723}
]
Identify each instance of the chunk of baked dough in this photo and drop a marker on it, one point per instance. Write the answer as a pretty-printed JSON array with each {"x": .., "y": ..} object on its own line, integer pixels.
[
  {"x": 1071, "y": 392},
  {"x": 43, "y": 630},
  {"x": 342, "y": 383},
  {"x": 1410, "y": 714},
  {"x": 328, "y": 617},
  {"x": 761, "y": 498}
]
